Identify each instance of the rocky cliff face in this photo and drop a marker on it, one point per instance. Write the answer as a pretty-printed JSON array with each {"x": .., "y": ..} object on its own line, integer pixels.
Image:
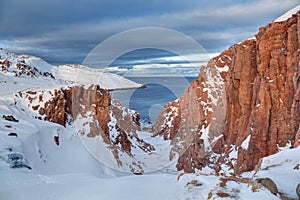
[
  {"x": 94, "y": 115},
  {"x": 244, "y": 105}
]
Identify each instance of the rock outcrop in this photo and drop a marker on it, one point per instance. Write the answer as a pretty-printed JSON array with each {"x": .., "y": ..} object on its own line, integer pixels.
[
  {"x": 16, "y": 66},
  {"x": 93, "y": 114},
  {"x": 243, "y": 106},
  {"x": 269, "y": 184}
]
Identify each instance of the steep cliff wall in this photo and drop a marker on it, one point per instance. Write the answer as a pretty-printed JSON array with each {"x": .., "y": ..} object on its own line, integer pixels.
[{"x": 243, "y": 106}]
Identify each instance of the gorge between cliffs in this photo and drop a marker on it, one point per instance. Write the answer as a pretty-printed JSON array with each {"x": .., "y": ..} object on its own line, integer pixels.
[
  {"x": 235, "y": 125},
  {"x": 245, "y": 103}
]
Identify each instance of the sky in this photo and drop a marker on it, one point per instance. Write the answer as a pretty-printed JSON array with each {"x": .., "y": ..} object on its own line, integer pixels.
[{"x": 66, "y": 31}]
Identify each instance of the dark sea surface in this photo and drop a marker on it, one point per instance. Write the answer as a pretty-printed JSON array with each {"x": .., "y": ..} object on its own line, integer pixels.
[{"x": 150, "y": 101}]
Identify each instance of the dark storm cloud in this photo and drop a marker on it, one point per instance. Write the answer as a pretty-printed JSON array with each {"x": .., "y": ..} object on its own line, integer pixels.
[{"x": 65, "y": 31}]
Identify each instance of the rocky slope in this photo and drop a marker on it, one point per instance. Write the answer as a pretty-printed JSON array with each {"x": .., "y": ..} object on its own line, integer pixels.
[
  {"x": 243, "y": 106},
  {"x": 93, "y": 113}
]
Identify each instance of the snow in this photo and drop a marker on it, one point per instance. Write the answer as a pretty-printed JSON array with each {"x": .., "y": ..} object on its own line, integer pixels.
[
  {"x": 84, "y": 75},
  {"x": 33, "y": 61},
  {"x": 36, "y": 62},
  {"x": 205, "y": 137},
  {"x": 252, "y": 38},
  {"x": 233, "y": 153},
  {"x": 245, "y": 143},
  {"x": 244, "y": 191},
  {"x": 288, "y": 14},
  {"x": 84, "y": 186},
  {"x": 282, "y": 169},
  {"x": 64, "y": 75},
  {"x": 214, "y": 83},
  {"x": 223, "y": 69},
  {"x": 69, "y": 171},
  {"x": 280, "y": 100}
]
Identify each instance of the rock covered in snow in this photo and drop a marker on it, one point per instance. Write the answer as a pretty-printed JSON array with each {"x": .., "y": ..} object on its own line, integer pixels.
[
  {"x": 23, "y": 65},
  {"x": 94, "y": 114}
]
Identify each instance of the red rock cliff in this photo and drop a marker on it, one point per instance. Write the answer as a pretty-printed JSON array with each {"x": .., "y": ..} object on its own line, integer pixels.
[
  {"x": 94, "y": 115},
  {"x": 243, "y": 106}
]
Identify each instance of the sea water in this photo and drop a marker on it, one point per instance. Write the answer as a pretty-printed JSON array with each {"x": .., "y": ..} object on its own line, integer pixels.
[{"x": 149, "y": 101}]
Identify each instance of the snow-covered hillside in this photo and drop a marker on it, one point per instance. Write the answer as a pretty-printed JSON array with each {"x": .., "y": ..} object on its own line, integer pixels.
[
  {"x": 32, "y": 61},
  {"x": 85, "y": 75},
  {"x": 25, "y": 66}
]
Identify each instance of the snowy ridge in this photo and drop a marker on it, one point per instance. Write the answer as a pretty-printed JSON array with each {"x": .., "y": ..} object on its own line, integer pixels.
[
  {"x": 85, "y": 75},
  {"x": 13, "y": 65},
  {"x": 33, "y": 61},
  {"x": 288, "y": 14},
  {"x": 23, "y": 65},
  {"x": 36, "y": 62}
]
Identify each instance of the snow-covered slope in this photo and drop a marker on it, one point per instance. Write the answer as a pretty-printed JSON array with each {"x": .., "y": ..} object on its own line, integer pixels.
[
  {"x": 283, "y": 168},
  {"x": 24, "y": 66},
  {"x": 68, "y": 171},
  {"x": 33, "y": 61},
  {"x": 288, "y": 14},
  {"x": 85, "y": 75}
]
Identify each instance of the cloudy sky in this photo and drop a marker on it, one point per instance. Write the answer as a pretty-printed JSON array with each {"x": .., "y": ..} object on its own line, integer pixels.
[{"x": 66, "y": 31}]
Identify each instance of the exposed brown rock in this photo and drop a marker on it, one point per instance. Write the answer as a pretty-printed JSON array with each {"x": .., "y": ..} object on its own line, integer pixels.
[
  {"x": 6, "y": 63},
  {"x": 223, "y": 194},
  {"x": 127, "y": 125},
  {"x": 21, "y": 68},
  {"x": 35, "y": 107},
  {"x": 10, "y": 118},
  {"x": 91, "y": 101},
  {"x": 95, "y": 114},
  {"x": 56, "y": 139},
  {"x": 250, "y": 91},
  {"x": 54, "y": 110}
]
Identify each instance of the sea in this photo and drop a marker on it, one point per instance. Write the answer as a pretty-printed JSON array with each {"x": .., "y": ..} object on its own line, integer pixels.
[{"x": 149, "y": 101}]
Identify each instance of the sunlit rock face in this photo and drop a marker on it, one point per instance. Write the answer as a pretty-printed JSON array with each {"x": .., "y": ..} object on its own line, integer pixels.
[
  {"x": 95, "y": 115},
  {"x": 244, "y": 105}
]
